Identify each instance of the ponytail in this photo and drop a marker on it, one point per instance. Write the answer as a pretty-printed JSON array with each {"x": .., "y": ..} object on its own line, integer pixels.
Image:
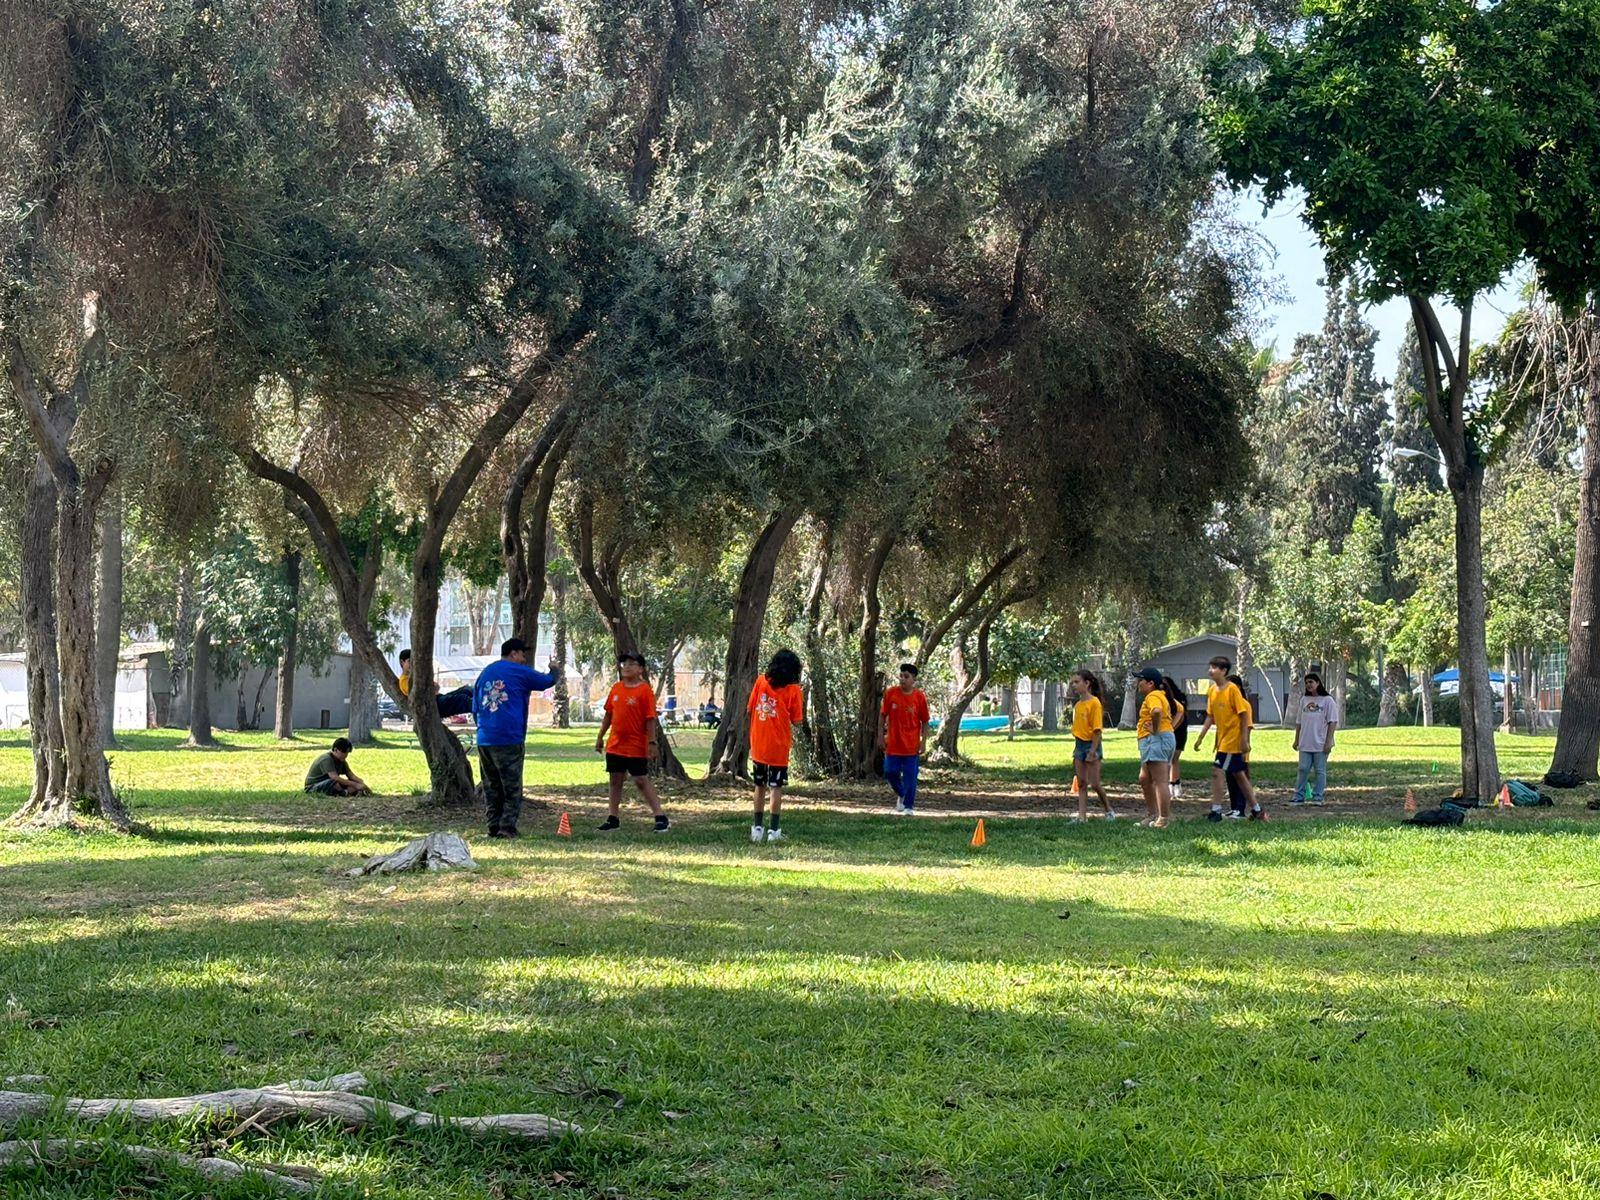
[{"x": 1091, "y": 679}]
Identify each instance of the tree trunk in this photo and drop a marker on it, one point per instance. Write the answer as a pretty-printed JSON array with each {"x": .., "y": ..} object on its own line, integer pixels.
[
  {"x": 363, "y": 703},
  {"x": 1578, "y": 734},
  {"x": 200, "y": 686},
  {"x": 1425, "y": 679},
  {"x": 1133, "y": 656},
  {"x": 1480, "y": 768},
  {"x": 48, "y": 800},
  {"x": 283, "y": 710},
  {"x": 819, "y": 725},
  {"x": 603, "y": 575},
  {"x": 88, "y": 773},
  {"x": 970, "y": 678},
  {"x": 183, "y": 619},
  {"x": 1395, "y": 678},
  {"x": 1446, "y": 377},
  {"x": 1008, "y": 701},
  {"x": 560, "y": 702},
  {"x": 1244, "y": 653},
  {"x": 1341, "y": 681},
  {"x": 869, "y": 681},
  {"x": 108, "y": 618},
  {"x": 1050, "y": 719},
  {"x": 525, "y": 541},
  {"x": 730, "y": 749},
  {"x": 1508, "y": 701},
  {"x": 449, "y": 772}
]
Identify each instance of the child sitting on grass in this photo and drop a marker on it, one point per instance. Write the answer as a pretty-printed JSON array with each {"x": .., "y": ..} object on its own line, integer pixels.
[{"x": 330, "y": 774}]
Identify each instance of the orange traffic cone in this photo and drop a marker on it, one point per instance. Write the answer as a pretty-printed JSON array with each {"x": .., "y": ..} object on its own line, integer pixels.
[
  {"x": 564, "y": 829},
  {"x": 979, "y": 838},
  {"x": 1411, "y": 800},
  {"x": 1075, "y": 785},
  {"x": 1503, "y": 800}
]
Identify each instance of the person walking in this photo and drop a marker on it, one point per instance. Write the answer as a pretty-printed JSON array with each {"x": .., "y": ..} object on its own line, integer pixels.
[
  {"x": 1229, "y": 713},
  {"x": 1316, "y": 722},
  {"x": 1180, "y": 730},
  {"x": 903, "y": 737},
  {"x": 500, "y": 708},
  {"x": 776, "y": 706}
]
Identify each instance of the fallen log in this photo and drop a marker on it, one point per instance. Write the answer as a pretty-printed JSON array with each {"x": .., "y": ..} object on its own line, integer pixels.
[
  {"x": 432, "y": 852},
  {"x": 301, "y": 1182},
  {"x": 271, "y": 1104}
]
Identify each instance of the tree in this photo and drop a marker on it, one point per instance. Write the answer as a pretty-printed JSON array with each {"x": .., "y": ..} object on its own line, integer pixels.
[{"x": 1436, "y": 145}]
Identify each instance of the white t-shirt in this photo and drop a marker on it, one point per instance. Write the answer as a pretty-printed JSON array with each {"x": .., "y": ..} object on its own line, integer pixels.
[{"x": 1316, "y": 714}]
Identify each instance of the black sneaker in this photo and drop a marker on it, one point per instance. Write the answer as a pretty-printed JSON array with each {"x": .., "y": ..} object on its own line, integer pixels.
[
  {"x": 1214, "y": 815},
  {"x": 1258, "y": 814},
  {"x": 662, "y": 824},
  {"x": 494, "y": 833},
  {"x": 609, "y": 824},
  {"x": 510, "y": 833}
]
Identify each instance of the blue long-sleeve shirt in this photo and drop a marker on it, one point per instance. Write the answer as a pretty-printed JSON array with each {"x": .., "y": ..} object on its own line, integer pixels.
[{"x": 500, "y": 701}]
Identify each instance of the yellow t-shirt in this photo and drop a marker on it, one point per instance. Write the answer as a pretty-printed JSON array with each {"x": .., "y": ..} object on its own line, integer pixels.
[
  {"x": 1230, "y": 713},
  {"x": 1155, "y": 714},
  {"x": 405, "y": 684},
  {"x": 1088, "y": 716}
]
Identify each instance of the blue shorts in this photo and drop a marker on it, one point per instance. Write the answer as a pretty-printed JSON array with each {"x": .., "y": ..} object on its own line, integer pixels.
[
  {"x": 1083, "y": 750},
  {"x": 1157, "y": 747},
  {"x": 1231, "y": 764}
]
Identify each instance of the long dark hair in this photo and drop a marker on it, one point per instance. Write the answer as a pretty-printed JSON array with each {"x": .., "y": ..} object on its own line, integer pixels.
[
  {"x": 1175, "y": 693},
  {"x": 1091, "y": 679},
  {"x": 1313, "y": 676},
  {"x": 784, "y": 669}
]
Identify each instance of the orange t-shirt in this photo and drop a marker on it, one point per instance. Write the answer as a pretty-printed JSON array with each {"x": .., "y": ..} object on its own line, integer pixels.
[
  {"x": 631, "y": 710},
  {"x": 774, "y": 712},
  {"x": 905, "y": 715}
]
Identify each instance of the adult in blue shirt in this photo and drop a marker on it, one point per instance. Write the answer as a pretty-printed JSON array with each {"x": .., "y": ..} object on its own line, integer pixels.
[{"x": 500, "y": 707}]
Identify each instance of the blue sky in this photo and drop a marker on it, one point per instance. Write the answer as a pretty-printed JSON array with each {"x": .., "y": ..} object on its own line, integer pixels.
[{"x": 1295, "y": 268}]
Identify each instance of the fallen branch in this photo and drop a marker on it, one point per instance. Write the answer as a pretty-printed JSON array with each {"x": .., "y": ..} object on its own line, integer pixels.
[
  {"x": 55, "y": 1150},
  {"x": 270, "y": 1104}
]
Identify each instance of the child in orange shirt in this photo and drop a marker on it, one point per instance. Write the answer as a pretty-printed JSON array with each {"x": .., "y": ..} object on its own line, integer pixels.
[
  {"x": 776, "y": 706},
  {"x": 902, "y": 736},
  {"x": 630, "y": 722}
]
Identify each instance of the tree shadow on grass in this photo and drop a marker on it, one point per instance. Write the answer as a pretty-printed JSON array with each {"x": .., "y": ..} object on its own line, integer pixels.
[{"x": 852, "y": 1041}]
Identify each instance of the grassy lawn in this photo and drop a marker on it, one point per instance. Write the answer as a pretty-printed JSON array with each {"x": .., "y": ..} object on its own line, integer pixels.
[{"x": 1318, "y": 1007}]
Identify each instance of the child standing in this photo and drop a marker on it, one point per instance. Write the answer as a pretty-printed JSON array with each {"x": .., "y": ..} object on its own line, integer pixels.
[
  {"x": 1229, "y": 712},
  {"x": 1088, "y": 720},
  {"x": 1156, "y": 746},
  {"x": 630, "y": 723},
  {"x": 776, "y": 706},
  {"x": 1180, "y": 730},
  {"x": 1316, "y": 721},
  {"x": 902, "y": 737}
]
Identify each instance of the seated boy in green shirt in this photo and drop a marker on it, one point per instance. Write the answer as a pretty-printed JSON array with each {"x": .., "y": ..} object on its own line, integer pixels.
[{"x": 330, "y": 774}]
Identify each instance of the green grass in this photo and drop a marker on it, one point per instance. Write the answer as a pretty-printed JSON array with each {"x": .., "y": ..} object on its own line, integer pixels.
[{"x": 1335, "y": 1006}]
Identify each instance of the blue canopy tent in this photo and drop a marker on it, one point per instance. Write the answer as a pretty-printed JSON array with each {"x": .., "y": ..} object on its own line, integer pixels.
[{"x": 1449, "y": 682}]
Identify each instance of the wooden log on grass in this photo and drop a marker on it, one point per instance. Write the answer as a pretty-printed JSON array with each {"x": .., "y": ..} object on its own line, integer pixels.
[
  {"x": 277, "y": 1103},
  {"x": 300, "y": 1181}
]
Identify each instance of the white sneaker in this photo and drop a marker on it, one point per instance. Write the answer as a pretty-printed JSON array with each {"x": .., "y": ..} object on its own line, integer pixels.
[
  {"x": 1076, "y": 820},
  {"x": 758, "y": 833},
  {"x": 775, "y": 835},
  {"x": 1177, "y": 791},
  {"x": 899, "y": 805},
  {"x": 1112, "y": 815},
  {"x": 1232, "y": 814}
]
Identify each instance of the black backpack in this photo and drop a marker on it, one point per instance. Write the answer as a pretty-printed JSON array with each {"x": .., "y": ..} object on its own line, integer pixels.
[{"x": 1445, "y": 814}]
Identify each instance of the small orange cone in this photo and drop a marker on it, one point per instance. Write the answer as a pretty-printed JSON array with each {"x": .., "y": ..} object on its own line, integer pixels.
[
  {"x": 1503, "y": 800},
  {"x": 1075, "y": 785},
  {"x": 564, "y": 829},
  {"x": 1411, "y": 800},
  {"x": 979, "y": 838}
]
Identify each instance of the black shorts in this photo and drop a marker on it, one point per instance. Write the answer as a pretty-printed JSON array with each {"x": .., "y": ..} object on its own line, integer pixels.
[
  {"x": 619, "y": 764},
  {"x": 769, "y": 776},
  {"x": 1231, "y": 764},
  {"x": 1181, "y": 736}
]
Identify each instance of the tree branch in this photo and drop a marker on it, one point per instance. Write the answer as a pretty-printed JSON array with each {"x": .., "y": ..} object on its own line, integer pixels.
[{"x": 964, "y": 604}]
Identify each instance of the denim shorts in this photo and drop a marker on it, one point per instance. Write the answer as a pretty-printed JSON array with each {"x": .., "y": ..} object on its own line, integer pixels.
[
  {"x": 1083, "y": 750},
  {"x": 1157, "y": 747}
]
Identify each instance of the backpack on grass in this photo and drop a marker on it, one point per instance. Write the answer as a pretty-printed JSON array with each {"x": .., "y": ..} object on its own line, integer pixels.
[
  {"x": 1446, "y": 814},
  {"x": 1523, "y": 796}
]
